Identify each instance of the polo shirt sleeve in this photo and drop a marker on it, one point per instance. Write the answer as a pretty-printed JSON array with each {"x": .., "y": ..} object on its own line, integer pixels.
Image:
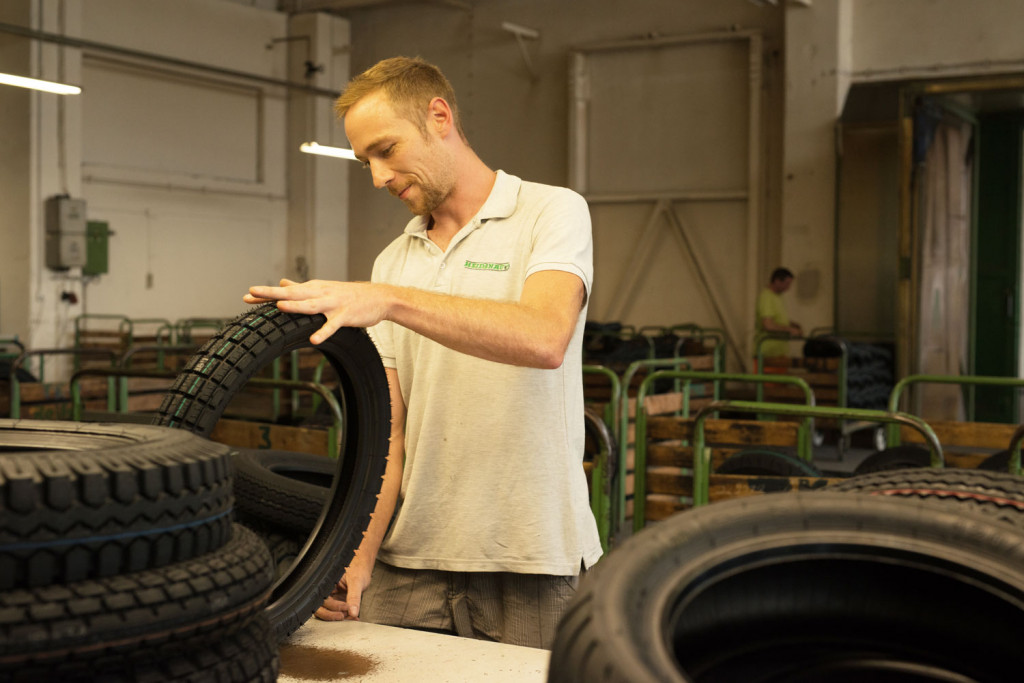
[
  {"x": 382, "y": 333},
  {"x": 562, "y": 238}
]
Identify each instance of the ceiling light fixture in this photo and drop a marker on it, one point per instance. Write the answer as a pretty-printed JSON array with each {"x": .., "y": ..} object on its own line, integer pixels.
[
  {"x": 324, "y": 150},
  {"x": 36, "y": 84}
]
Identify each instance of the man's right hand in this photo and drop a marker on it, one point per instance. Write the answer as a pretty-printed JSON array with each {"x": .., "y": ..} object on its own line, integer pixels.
[{"x": 343, "y": 603}]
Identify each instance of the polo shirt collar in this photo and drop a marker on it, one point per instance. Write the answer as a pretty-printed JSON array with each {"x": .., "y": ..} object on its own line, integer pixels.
[{"x": 501, "y": 203}]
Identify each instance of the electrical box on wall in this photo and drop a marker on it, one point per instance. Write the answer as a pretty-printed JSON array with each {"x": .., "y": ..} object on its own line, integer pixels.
[
  {"x": 65, "y": 232},
  {"x": 97, "y": 234}
]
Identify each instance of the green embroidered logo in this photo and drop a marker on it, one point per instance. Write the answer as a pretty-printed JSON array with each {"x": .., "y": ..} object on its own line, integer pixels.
[{"x": 480, "y": 265}]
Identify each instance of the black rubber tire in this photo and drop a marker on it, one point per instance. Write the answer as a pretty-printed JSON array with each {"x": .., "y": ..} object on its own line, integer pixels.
[
  {"x": 97, "y": 617},
  {"x": 997, "y": 462},
  {"x": 285, "y": 489},
  {"x": 801, "y": 587},
  {"x": 998, "y": 494},
  {"x": 284, "y": 546},
  {"x": 767, "y": 462},
  {"x": 82, "y": 500},
  {"x": 895, "y": 458},
  {"x": 247, "y": 653},
  {"x": 224, "y": 364}
]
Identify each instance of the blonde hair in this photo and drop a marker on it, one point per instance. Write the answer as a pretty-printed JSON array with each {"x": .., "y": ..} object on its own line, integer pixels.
[{"x": 409, "y": 83}]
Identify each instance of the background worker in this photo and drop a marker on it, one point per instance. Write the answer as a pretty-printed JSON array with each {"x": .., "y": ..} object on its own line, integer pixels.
[
  {"x": 771, "y": 314},
  {"x": 477, "y": 309}
]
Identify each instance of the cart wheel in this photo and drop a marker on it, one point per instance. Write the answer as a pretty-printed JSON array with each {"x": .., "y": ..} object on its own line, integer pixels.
[
  {"x": 997, "y": 462},
  {"x": 767, "y": 462},
  {"x": 895, "y": 458}
]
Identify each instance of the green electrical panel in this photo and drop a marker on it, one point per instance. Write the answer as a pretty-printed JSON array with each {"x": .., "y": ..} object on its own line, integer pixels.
[{"x": 97, "y": 235}]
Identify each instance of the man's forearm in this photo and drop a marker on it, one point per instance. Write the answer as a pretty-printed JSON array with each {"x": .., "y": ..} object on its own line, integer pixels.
[
  {"x": 517, "y": 333},
  {"x": 391, "y": 483}
]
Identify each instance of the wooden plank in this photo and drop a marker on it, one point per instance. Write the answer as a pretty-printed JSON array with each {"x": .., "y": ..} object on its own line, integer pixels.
[
  {"x": 975, "y": 434},
  {"x": 675, "y": 481},
  {"x": 736, "y": 432},
  {"x": 776, "y": 392},
  {"x": 727, "y": 486},
  {"x": 675, "y": 454},
  {"x": 244, "y": 434},
  {"x": 668, "y": 500},
  {"x": 822, "y": 364},
  {"x": 661, "y": 507}
]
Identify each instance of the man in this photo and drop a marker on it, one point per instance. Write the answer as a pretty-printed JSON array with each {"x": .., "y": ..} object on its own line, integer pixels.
[
  {"x": 772, "y": 316},
  {"x": 483, "y": 523}
]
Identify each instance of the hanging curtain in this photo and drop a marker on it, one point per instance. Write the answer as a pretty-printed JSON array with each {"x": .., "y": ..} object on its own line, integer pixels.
[{"x": 945, "y": 240}]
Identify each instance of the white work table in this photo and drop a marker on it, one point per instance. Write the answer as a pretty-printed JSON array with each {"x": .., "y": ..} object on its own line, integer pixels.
[{"x": 356, "y": 651}]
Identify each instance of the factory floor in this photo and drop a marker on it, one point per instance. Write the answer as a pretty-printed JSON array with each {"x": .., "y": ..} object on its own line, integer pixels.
[{"x": 370, "y": 653}]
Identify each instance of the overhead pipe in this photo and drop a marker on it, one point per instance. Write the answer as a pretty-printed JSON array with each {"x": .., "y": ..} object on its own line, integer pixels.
[{"x": 79, "y": 43}]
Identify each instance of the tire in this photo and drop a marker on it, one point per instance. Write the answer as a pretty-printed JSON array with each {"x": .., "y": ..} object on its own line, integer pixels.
[
  {"x": 1000, "y": 495},
  {"x": 247, "y": 654},
  {"x": 284, "y": 547},
  {"x": 92, "y": 619},
  {"x": 83, "y": 501},
  {"x": 766, "y": 462},
  {"x": 287, "y": 490},
  {"x": 801, "y": 587},
  {"x": 895, "y": 458},
  {"x": 223, "y": 365},
  {"x": 997, "y": 462}
]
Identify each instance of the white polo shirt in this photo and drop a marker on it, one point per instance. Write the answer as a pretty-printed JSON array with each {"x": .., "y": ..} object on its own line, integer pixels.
[{"x": 493, "y": 477}]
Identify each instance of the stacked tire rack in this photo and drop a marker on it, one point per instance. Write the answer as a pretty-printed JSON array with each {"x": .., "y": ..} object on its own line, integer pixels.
[
  {"x": 842, "y": 373},
  {"x": 748, "y": 456},
  {"x": 618, "y": 358}
]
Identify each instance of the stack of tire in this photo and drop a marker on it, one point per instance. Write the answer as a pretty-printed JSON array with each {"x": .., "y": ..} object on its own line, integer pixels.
[
  {"x": 870, "y": 370},
  {"x": 903, "y": 576},
  {"x": 119, "y": 560},
  {"x": 120, "y": 557}
]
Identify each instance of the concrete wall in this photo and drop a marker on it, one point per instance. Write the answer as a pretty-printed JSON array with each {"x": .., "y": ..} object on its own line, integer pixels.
[{"x": 196, "y": 170}]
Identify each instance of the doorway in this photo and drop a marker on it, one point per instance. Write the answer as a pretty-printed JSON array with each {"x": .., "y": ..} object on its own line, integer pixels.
[{"x": 929, "y": 234}]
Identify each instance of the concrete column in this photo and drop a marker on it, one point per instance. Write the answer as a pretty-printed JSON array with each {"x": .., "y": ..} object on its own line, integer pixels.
[{"x": 817, "y": 78}]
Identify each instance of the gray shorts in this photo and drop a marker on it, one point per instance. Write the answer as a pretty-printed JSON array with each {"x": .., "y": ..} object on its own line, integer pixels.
[{"x": 519, "y": 609}]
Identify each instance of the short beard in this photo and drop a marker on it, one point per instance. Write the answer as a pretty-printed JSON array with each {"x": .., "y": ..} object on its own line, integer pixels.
[
  {"x": 440, "y": 189},
  {"x": 433, "y": 197}
]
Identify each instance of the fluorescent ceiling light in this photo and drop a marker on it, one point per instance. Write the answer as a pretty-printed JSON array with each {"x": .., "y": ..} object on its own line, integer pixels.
[
  {"x": 324, "y": 150},
  {"x": 36, "y": 84}
]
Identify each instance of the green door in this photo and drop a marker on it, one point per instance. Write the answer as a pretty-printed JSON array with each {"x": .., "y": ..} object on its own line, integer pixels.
[{"x": 996, "y": 309}]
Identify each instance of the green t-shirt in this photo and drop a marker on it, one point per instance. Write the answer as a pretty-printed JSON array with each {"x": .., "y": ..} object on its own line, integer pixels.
[{"x": 770, "y": 305}]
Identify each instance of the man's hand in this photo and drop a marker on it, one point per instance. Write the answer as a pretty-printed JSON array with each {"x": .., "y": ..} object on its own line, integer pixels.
[
  {"x": 346, "y": 304},
  {"x": 343, "y": 603}
]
